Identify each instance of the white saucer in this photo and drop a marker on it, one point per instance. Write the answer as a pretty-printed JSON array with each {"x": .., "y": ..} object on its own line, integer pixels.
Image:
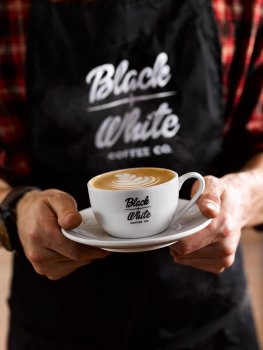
[{"x": 89, "y": 232}]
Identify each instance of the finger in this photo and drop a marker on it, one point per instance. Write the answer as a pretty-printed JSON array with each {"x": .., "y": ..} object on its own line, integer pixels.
[
  {"x": 195, "y": 242},
  {"x": 63, "y": 271},
  {"x": 208, "y": 265},
  {"x": 64, "y": 266},
  {"x": 214, "y": 250},
  {"x": 65, "y": 208},
  {"x": 214, "y": 265},
  {"x": 210, "y": 201},
  {"x": 72, "y": 250},
  {"x": 80, "y": 253},
  {"x": 54, "y": 265}
]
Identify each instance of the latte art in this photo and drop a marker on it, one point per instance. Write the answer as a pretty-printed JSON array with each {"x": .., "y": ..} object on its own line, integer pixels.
[
  {"x": 126, "y": 181},
  {"x": 132, "y": 179}
]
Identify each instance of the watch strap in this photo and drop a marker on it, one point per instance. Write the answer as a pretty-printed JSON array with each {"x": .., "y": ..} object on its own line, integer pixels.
[{"x": 8, "y": 227}]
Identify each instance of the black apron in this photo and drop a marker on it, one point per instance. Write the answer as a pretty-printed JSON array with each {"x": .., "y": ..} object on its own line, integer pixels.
[{"x": 114, "y": 84}]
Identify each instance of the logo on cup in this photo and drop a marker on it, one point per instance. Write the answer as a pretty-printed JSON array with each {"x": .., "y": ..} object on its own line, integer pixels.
[{"x": 139, "y": 210}]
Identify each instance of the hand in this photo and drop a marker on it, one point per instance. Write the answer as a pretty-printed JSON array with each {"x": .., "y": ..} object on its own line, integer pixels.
[
  {"x": 213, "y": 249},
  {"x": 40, "y": 216}
]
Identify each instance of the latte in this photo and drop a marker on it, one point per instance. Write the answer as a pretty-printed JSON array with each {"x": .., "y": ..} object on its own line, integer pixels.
[
  {"x": 134, "y": 178},
  {"x": 138, "y": 202}
]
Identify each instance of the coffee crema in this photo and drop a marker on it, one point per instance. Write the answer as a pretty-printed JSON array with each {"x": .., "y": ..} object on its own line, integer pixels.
[{"x": 134, "y": 178}]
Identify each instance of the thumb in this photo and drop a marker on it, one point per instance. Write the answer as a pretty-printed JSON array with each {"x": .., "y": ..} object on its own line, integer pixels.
[
  {"x": 210, "y": 201},
  {"x": 70, "y": 220},
  {"x": 66, "y": 210}
]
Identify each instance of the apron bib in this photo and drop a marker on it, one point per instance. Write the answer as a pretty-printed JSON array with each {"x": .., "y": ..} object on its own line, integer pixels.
[{"x": 114, "y": 84}]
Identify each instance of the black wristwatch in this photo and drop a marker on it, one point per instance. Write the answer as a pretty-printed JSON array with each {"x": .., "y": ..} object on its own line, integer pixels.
[{"x": 8, "y": 230}]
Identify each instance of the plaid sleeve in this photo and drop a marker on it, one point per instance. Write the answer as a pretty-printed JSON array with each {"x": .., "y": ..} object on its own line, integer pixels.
[
  {"x": 249, "y": 109},
  {"x": 14, "y": 160},
  {"x": 240, "y": 24}
]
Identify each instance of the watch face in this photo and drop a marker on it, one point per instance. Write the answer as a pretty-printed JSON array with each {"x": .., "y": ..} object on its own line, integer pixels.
[{"x": 4, "y": 237}]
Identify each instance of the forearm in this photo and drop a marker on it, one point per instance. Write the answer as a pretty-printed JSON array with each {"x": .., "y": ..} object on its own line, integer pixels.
[{"x": 249, "y": 181}]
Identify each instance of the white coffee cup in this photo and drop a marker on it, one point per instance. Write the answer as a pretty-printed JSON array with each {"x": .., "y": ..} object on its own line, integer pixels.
[{"x": 139, "y": 202}]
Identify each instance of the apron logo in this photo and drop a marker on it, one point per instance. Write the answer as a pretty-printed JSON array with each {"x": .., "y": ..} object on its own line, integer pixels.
[
  {"x": 160, "y": 123},
  {"x": 134, "y": 126},
  {"x": 106, "y": 80}
]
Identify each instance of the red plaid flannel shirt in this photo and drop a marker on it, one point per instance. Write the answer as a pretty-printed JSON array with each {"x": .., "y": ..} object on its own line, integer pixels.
[{"x": 241, "y": 39}]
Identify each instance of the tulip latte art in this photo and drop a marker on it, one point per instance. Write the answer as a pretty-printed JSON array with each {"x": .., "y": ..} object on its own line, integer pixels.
[
  {"x": 129, "y": 179},
  {"x": 126, "y": 180}
]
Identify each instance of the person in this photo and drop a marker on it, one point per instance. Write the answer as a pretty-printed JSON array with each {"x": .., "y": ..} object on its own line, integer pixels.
[{"x": 89, "y": 86}]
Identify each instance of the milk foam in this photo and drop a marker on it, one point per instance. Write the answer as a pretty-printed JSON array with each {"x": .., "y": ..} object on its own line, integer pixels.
[{"x": 131, "y": 181}]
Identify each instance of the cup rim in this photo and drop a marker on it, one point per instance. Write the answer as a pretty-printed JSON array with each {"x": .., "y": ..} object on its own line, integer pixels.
[{"x": 128, "y": 190}]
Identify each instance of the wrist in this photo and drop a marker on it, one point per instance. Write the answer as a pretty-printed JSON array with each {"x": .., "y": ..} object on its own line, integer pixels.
[
  {"x": 5, "y": 188},
  {"x": 246, "y": 186}
]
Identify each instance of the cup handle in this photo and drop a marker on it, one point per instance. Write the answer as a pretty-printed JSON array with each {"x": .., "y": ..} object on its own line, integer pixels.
[{"x": 198, "y": 193}]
